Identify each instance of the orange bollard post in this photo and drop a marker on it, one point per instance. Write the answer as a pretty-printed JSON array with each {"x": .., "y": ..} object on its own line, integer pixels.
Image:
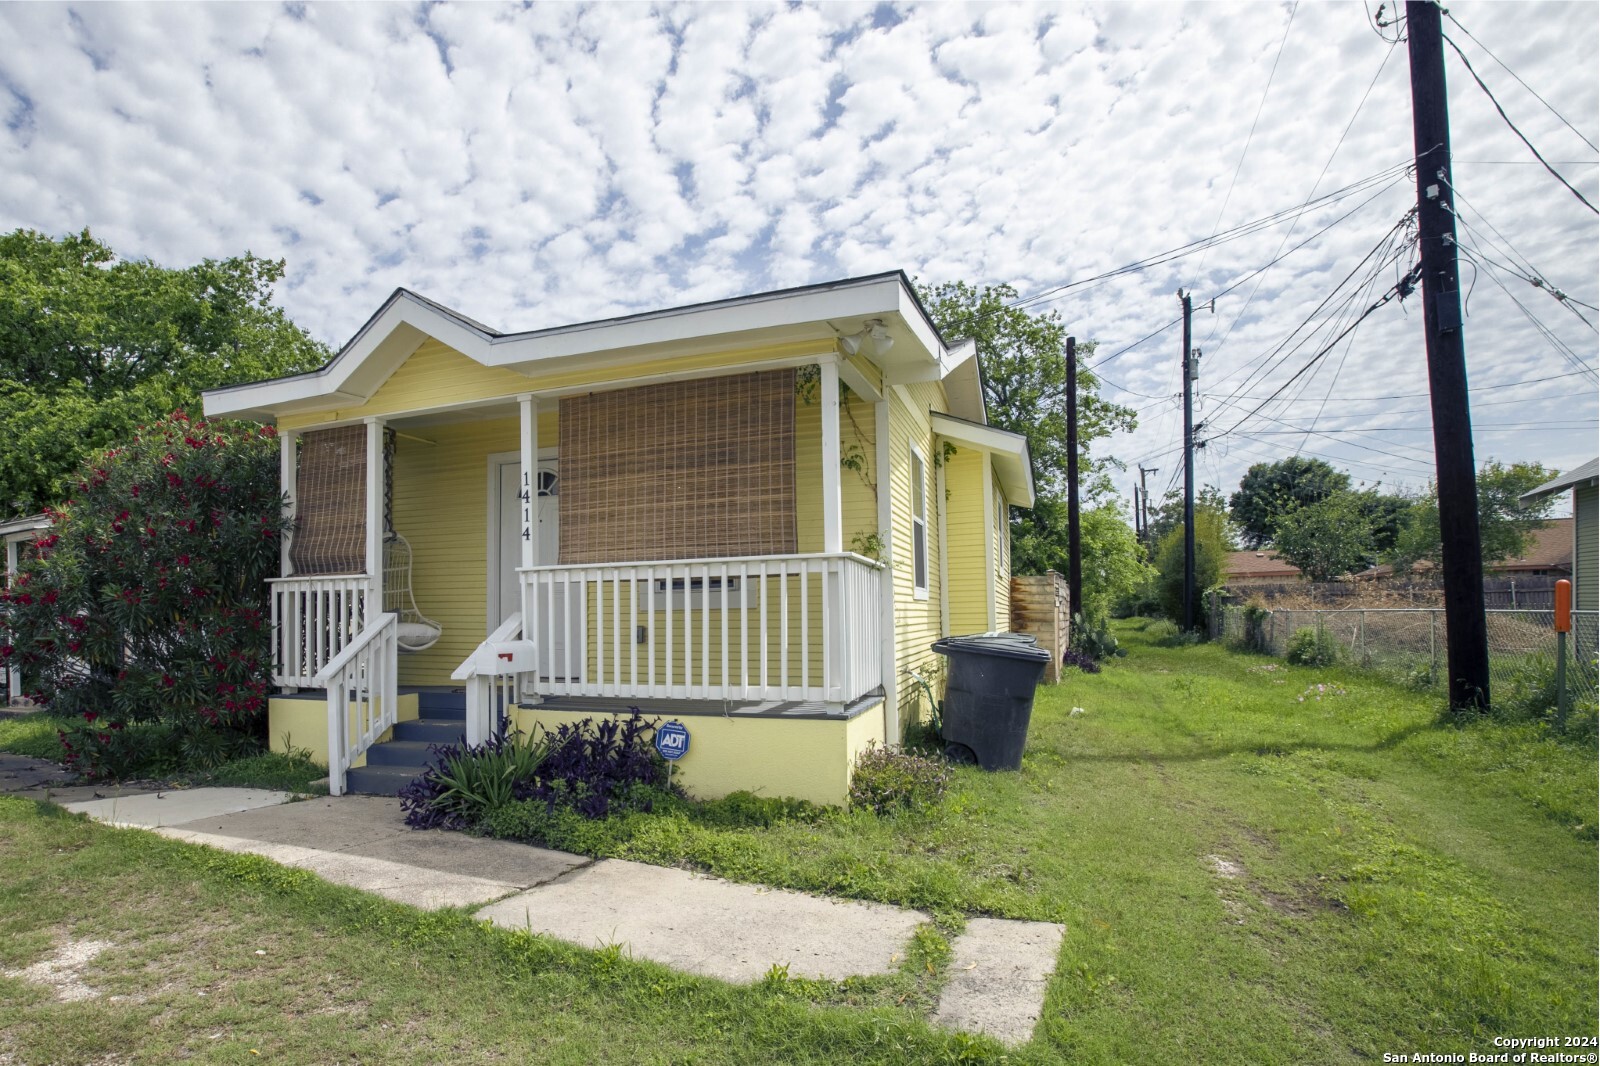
[{"x": 1563, "y": 627}]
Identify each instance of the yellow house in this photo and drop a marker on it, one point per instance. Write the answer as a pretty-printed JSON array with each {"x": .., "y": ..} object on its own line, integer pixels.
[{"x": 751, "y": 517}]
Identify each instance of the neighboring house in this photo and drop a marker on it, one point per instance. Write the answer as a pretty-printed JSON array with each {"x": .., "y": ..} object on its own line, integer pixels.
[
  {"x": 752, "y": 516},
  {"x": 1549, "y": 554},
  {"x": 1581, "y": 482},
  {"x": 16, "y": 532},
  {"x": 1246, "y": 568}
]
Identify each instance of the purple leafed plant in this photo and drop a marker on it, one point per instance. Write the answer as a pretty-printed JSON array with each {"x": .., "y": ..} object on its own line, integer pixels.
[{"x": 1086, "y": 663}]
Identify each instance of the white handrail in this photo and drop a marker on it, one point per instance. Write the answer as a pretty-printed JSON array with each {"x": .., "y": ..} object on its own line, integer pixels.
[
  {"x": 481, "y": 687},
  {"x": 362, "y": 683}
]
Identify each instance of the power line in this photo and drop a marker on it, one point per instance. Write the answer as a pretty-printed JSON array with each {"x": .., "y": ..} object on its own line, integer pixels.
[
  {"x": 1478, "y": 388},
  {"x": 1520, "y": 82},
  {"x": 1249, "y": 137},
  {"x": 1244, "y": 229},
  {"x": 1553, "y": 171},
  {"x": 1131, "y": 347},
  {"x": 1348, "y": 126},
  {"x": 1402, "y": 288}
]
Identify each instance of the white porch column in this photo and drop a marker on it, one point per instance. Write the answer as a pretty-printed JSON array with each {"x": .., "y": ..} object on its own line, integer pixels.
[
  {"x": 14, "y": 674},
  {"x": 832, "y": 534},
  {"x": 288, "y": 481},
  {"x": 529, "y": 407},
  {"x": 889, "y": 651},
  {"x": 374, "y": 518}
]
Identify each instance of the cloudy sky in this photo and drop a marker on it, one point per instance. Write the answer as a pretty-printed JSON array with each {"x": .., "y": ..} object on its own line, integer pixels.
[{"x": 534, "y": 166}]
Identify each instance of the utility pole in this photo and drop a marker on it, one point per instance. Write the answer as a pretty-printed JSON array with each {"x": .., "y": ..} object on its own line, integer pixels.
[
  {"x": 1138, "y": 519},
  {"x": 1188, "y": 471},
  {"x": 1074, "y": 544},
  {"x": 1144, "y": 499},
  {"x": 1466, "y": 633}
]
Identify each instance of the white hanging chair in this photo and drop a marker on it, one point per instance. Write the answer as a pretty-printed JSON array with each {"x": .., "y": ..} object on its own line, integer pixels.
[{"x": 417, "y": 632}]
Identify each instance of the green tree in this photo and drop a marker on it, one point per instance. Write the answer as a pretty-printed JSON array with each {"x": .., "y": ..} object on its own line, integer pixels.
[
  {"x": 1268, "y": 491},
  {"x": 1212, "y": 543},
  {"x": 1326, "y": 539},
  {"x": 1505, "y": 527},
  {"x": 1384, "y": 514},
  {"x": 1025, "y": 381},
  {"x": 1114, "y": 564},
  {"x": 1168, "y": 514},
  {"x": 92, "y": 346}
]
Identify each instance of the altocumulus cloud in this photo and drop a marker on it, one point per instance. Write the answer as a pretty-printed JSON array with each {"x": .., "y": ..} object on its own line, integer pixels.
[{"x": 543, "y": 165}]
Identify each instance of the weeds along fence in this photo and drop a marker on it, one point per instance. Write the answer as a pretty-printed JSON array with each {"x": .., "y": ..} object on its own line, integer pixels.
[{"x": 1408, "y": 644}]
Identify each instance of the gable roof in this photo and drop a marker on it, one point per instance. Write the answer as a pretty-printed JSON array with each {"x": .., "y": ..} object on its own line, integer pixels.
[
  {"x": 813, "y": 313},
  {"x": 1587, "y": 474},
  {"x": 1013, "y": 462},
  {"x": 1257, "y": 564}
]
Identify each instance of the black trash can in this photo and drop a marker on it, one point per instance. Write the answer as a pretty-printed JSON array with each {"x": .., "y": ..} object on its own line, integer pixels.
[{"x": 989, "y": 696}]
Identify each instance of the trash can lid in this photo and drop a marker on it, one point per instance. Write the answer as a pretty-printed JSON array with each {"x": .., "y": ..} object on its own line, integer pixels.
[{"x": 1005, "y": 645}]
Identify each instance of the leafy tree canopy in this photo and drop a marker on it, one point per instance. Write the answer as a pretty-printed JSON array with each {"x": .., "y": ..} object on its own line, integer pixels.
[
  {"x": 1268, "y": 491},
  {"x": 1212, "y": 543},
  {"x": 1504, "y": 526},
  {"x": 1327, "y": 539},
  {"x": 1024, "y": 362},
  {"x": 1168, "y": 514},
  {"x": 93, "y": 346}
]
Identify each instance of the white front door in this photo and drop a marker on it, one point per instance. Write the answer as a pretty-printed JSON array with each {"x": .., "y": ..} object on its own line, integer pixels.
[{"x": 504, "y": 590}]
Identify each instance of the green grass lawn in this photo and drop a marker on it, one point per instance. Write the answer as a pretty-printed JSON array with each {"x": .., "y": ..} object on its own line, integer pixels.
[{"x": 1244, "y": 877}]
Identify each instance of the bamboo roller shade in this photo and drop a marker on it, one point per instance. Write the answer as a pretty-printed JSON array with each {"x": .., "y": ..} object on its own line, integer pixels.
[
  {"x": 682, "y": 470},
  {"x": 330, "y": 523}
]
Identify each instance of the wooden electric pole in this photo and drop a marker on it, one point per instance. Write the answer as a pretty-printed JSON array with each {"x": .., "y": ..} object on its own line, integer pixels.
[
  {"x": 1144, "y": 502},
  {"x": 1466, "y": 634},
  {"x": 1188, "y": 472},
  {"x": 1138, "y": 517},
  {"x": 1074, "y": 543}
]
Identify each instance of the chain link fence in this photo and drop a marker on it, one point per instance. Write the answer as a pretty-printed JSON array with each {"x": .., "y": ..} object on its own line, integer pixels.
[{"x": 1408, "y": 645}]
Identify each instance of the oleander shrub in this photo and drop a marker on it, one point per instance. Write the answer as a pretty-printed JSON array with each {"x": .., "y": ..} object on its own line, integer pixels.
[
  {"x": 887, "y": 779},
  {"x": 142, "y": 613}
]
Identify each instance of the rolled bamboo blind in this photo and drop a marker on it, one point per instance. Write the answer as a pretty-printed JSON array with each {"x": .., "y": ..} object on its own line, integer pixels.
[
  {"x": 682, "y": 470},
  {"x": 330, "y": 526}
]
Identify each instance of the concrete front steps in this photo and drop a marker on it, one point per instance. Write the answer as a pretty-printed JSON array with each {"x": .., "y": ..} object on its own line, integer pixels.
[{"x": 394, "y": 764}]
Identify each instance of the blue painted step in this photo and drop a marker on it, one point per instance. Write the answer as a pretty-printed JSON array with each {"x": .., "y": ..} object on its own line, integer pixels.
[
  {"x": 372, "y": 780},
  {"x": 442, "y": 703},
  {"x": 432, "y": 730}
]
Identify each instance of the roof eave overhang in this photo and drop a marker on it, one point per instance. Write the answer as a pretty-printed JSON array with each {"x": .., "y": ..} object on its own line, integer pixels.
[
  {"x": 1008, "y": 451},
  {"x": 816, "y": 314}
]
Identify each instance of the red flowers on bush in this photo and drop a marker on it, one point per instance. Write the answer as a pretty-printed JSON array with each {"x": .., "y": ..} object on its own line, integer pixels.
[{"x": 118, "y": 637}]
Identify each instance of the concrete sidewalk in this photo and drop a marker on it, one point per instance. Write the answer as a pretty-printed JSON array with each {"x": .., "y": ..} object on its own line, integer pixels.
[{"x": 688, "y": 921}]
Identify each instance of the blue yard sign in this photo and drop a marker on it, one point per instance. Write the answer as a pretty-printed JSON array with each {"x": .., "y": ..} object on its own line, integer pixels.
[{"x": 672, "y": 741}]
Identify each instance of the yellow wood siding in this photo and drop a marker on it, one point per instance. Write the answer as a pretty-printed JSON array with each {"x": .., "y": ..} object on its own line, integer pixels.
[
  {"x": 441, "y": 505},
  {"x": 437, "y": 375},
  {"x": 1585, "y": 548},
  {"x": 917, "y": 622},
  {"x": 858, "y": 502},
  {"x": 964, "y": 526}
]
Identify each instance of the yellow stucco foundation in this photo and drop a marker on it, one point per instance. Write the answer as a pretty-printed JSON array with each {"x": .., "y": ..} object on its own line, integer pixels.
[
  {"x": 804, "y": 758},
  {"x": 303, "y": 724}
]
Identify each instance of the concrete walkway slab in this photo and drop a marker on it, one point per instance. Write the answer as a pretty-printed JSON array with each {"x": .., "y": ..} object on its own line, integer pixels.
[
  {"x": 177, "y": 806},
  {"x": 423, "y": 889},
  {"x": 709, "y": 926},
  {"x": 374, "y": 827},
  {"x": 324, "y": 823},
  {"x": 998, "y": 975}
]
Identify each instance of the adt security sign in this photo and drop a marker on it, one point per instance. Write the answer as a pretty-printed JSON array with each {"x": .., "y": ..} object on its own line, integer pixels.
[{"x": 672, "y": 741}]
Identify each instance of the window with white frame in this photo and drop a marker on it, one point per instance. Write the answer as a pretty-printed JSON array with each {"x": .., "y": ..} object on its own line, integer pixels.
[{"x": 919, "y": 524}]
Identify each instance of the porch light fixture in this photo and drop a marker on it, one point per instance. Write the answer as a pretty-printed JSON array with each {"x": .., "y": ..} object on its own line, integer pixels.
[{"x": 875, "y": 332}]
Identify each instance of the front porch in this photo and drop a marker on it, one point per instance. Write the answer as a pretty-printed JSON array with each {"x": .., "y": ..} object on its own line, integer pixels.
[{"x": 523, "y": 513}]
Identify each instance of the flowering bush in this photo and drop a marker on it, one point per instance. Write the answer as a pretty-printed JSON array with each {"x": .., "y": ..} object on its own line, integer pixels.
[{"x": 143, "y": 610}]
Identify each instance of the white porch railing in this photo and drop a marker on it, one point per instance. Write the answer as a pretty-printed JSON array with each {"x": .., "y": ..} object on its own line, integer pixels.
[
  {"x": 313, "y": 620},
  {"x": 777, "y": 627},
  {"x": 362, "y": 682},
  {"x": 489, "y": 693}
]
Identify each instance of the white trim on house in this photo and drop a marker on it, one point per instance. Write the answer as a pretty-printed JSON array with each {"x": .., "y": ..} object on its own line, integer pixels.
[
  {"x": 1008, "y": 451},
  {"x": 889, "y": 650},
  {"x": 919, "y": 483},
  {"x": 819, "y": 313}
]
